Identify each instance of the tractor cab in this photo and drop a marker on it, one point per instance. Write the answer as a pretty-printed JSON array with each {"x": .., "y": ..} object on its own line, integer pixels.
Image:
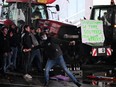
[
  {"x": 106, "y": 13},
  {"x": 23, "y": 12}
]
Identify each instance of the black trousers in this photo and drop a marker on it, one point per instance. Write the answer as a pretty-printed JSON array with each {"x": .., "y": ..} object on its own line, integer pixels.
[{"x": 26, "y": 62}]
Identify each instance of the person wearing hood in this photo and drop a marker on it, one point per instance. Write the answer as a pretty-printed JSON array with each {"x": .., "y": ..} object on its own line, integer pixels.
[{"x": 54, "y": 56}]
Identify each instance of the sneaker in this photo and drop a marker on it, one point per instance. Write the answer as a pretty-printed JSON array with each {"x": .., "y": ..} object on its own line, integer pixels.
[
  {"x": 27, "y": 77},
  {"x": 46, "y": 84},
  {"x": 78, "y": 84}
]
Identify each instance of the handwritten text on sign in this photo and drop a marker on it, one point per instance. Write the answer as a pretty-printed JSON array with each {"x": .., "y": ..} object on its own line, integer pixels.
[{"x": 92, "y": 31}]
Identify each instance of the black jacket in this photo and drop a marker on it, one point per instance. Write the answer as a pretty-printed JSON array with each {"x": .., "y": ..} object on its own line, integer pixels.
[
  {"x": 14, "y": 40},
  {"x": 4, "y": 44},
  {"x": 52, "y": 47},
  {"x": 26, "y": 41}
]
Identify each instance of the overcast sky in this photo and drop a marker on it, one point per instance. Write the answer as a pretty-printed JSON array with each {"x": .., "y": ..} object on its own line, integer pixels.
[
  {"x": 101, "y": 2},
  {"x": 75, "y": 7}
]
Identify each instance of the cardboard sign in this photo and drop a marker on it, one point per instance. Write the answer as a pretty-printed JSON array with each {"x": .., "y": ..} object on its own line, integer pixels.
[{"x": 92, "y": 31}]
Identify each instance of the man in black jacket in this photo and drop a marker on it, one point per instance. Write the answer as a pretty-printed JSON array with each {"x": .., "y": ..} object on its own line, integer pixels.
[
  {"x": 26, "y": 48},
  {"x": 5, "y": 50},
  {"x": 14, "y": 43},
  {"x": 55, "y": 56}
]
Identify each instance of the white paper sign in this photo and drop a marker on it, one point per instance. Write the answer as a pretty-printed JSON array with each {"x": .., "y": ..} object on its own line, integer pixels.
[{"x": 92, "y": 31}]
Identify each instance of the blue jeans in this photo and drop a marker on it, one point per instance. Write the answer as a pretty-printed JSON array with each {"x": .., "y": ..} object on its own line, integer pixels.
[
  {"x": 14, "y": 56},
  {"x": 36, "y": 57},
  {"x": 7, "y": 61},
  {"x": 60, "y": 61},
  {"x": 26, "y": 62}
]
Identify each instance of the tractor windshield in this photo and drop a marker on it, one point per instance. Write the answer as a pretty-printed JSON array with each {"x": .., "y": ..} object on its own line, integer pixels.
[
  {"x": 25, "y": 12},
  {"x": 105, "y": 13}
]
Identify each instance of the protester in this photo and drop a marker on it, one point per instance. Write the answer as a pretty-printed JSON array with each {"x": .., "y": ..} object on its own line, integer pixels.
[
  {"x": 35, "y": 53},
  {"x": 5, "y": 50},
  {"x": 36, "y": 14},
  {"x": 14, "y": 42},
  {"x": 26, "y": 48},
  {"x": 112, "y": 2},
  {"x": 55, "y": 56}
]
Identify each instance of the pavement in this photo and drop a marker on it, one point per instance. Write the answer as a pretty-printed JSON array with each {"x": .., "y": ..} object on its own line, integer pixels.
[{"x": 16, "y": 80}]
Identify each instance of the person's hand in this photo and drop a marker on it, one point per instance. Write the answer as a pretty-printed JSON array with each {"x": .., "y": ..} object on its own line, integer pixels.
[
  {"x": 5, "y": 54},
  {"x": 26, "y": 50},
  {"x": 33, "y": 46},
  {"x": 72, "y": 43},
  {"x": 11, "y": 34},
  {"x": 65, "y": 35}
]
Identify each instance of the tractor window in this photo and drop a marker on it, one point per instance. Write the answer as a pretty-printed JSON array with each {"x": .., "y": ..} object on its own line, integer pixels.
[
  {"x": 107, "y": 17},
  {"x": 104, "y": 15},
  {"x": 38, "y": 11},
  {"x": 4, "y": 12},
  {"x": 23, "y": 12},
  {"x": 15, "y": 14},
  {"x": 11, "y": 12},
  {"x": 96, "y": 15},
  {"x": 99, "y": 13}
]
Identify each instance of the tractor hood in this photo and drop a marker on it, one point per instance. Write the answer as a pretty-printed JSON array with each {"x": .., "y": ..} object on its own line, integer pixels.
[{"x": 6, "y": 22}]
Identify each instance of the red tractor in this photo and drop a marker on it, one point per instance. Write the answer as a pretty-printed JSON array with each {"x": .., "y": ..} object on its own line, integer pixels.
[
  {"x": 35, "y": 14},
  {"x": 30, "y": 12}
]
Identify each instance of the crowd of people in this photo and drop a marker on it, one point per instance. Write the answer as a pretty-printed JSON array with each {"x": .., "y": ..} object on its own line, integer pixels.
[{"x": 33, "y": 44}]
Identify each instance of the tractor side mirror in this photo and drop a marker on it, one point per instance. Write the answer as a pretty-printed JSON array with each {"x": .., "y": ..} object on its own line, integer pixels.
[
  {"x": 90, "y": 7},
  {"x": 2, "y": 0},
  {"x": 57, "y": 7}
]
